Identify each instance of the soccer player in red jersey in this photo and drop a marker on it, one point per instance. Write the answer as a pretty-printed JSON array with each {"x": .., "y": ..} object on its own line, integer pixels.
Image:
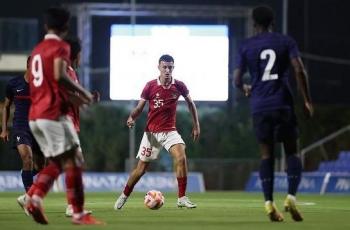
[
  {"x": 48, "y": 120},
  {"x": 162, "y": 95},
  {"x": 74, "y": 102}
]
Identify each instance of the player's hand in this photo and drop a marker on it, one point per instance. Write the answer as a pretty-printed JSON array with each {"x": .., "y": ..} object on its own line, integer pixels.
[
  {"x": 195, "y": 133},
  {"x": 88, "y": 98},
  {"x": 309, "y": 109},
  {"x": 95, "y": 96},
  {"x": 4, "y": 136},
  {"x": 247, "y": 89},
  {"x": 130, "y": 122}
]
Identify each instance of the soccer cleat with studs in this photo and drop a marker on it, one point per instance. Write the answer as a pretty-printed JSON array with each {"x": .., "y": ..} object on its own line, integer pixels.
[
  {"x": 290, "y": 206},
  {"x": 272, "y": 212},
  {"x": 184, "y": 202}
]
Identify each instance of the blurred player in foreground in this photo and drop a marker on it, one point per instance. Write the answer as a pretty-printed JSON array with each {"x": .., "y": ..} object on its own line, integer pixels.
[
  {"x": 17, "y": 92},
  {"x": 74, "y": 102},
  {"x": 162, "y": 95},
  {"x": 48, "y": 120},
  {"x": 268, "y": 56}
]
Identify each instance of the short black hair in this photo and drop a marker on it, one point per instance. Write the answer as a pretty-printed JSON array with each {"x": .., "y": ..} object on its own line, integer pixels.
[
  {"x": 263, "y": 16},
  {"x": 75, "y": 46},
  {"x": 166, "y": 58},
  {"x": 57, "y": 18}
]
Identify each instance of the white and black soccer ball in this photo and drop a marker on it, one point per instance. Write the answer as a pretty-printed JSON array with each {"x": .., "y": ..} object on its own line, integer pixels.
[{"x": 154, "y": 199}]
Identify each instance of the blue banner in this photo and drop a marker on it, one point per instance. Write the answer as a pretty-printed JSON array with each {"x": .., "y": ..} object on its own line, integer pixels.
[
  {"x": 310, "y": 183},
  {"x": 104, "y": 182},
  {"x": 339, "y": 183}
]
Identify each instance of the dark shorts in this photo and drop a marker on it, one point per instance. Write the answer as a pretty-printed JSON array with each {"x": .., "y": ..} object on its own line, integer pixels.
[
  {"x": 275, "y": 125},
  {"x": 24, "y": 137}
]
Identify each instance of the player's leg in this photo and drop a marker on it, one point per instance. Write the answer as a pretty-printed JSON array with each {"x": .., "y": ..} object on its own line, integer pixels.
[
  {"x": 178, "y": 153},
  {"x": 287, "y": 132},
  {"x": 134, "y": 177},
  {"x": 79, "y": 159},
  {"x": 72, "y": 163},
  {"x": 174, "y": 144},
  {"x": 148, "y": 151},
  {"x": 26, "y": 155},
  {"x": 266, "y": 173},
  {"x": 294, "y": 170},
  {"x": 263, "y": 127},
  {"x": 27, "y": 174}
]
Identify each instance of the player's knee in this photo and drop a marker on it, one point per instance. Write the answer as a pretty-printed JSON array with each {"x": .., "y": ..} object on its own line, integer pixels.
[
  {"x": 180, "y": 159},
  {"x": 27, "y": 160}
]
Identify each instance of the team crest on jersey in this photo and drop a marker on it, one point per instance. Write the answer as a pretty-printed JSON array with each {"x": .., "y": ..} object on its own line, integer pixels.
[
  {"x": 18, "y": 138},
  {"x": 174, "y": 95}
]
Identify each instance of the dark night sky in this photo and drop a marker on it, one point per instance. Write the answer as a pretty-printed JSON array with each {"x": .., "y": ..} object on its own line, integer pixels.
[{"x": 320, "y": 27}]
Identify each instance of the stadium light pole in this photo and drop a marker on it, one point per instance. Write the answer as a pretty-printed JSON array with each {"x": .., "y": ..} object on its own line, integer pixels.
[
  {"x": 284, "y": 31},
  {"x": 132, "y": 133}
]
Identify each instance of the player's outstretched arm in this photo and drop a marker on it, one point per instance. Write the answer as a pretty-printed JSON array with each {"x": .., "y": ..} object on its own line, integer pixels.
[
  {"x": 193, "y": 110},
  {"x": 135, "y": 113},
  {"x": 301, "y": 78},
  {"x": 5, "y": 117}
]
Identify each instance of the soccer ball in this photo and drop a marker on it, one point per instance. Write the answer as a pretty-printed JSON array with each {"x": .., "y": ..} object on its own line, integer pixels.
[{"x": 154, "y": 199}]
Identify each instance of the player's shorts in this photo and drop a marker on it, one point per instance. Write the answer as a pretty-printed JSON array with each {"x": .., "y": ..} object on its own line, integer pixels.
[
  {"x": 24, "y": 137},
  {"x": 152, "y": 144},
  {"x": 275, "y": 125},
  {"x": 55, "y": 137}
]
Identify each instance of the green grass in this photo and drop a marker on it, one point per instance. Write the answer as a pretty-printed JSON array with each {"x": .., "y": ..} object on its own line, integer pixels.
[{"x": 216, "y": 211}]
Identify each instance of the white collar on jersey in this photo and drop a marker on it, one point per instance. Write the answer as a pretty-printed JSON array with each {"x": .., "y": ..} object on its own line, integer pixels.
[
  {"x": 52, "y": 36},
  {"x": 172, "y": 81}
]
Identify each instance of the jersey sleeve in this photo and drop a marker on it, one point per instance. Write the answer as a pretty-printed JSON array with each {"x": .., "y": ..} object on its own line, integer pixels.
[
  {"x": 9, "y": 92},
  {"x": 293, "y": 48},
  {"x": 145, "y": 92},
  {"x": 240, "y": 60},
  {"x": 182, "y": 88},
  {"x": 63, "y": 51}
]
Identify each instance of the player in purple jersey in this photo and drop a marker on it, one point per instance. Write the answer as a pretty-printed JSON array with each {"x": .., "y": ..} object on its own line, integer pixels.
[
  {"x": 17, "y": 93},
  {"x": 268, "y": 56}
]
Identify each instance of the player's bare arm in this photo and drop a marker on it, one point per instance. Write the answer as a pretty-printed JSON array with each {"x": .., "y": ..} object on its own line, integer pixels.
[
  {"x": 193, "y": 110},
  {"x": 5, "y": 117},
  {"x": 60, "y": 67},
  {"x": 301, "y": 77},
  {"x": 238, "y": 82},
  {"x": 135, "y": 113}
]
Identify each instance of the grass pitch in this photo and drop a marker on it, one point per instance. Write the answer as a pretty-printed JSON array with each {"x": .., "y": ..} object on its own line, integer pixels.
[{"x": 216, "y": 211}]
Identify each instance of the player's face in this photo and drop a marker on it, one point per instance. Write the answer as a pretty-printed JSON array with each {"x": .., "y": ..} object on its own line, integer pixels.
[{"x": 166, "y": 70}]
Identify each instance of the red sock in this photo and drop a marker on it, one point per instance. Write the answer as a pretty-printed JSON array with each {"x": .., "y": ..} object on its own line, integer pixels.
[
  {"x": 45, "y": 179},
  {"x": 182, "y": 184},
  {"x": 75, "y": 188},
  {"x": 128, "y": 190},
  {"x": 31, "y": 190}
]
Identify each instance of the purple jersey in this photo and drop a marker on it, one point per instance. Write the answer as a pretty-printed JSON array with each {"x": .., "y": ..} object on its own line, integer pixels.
[
  {"x": 17, "y": 90},
  {"x": 267, "y": 57}
]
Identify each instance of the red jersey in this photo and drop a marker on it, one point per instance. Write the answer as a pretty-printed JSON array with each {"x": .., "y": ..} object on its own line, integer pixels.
[
  {"x": 73, "y": 110},
  {"x": 162, "y": 104},
  {"x": 45, "y": 93}
]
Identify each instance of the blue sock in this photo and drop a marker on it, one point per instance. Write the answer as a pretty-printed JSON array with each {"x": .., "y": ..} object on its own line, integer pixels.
[
  {"x": 294, "y": 169},
  {"x": 27, "y": 179},
  {"x": 266, "y": 177}
]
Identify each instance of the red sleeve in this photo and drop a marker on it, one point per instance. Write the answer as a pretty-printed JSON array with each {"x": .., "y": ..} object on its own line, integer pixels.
[
  {"x": 63, "y": 51},
  {"x": 182, "y": 88},
  {"x": 145, "y": 92}
]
